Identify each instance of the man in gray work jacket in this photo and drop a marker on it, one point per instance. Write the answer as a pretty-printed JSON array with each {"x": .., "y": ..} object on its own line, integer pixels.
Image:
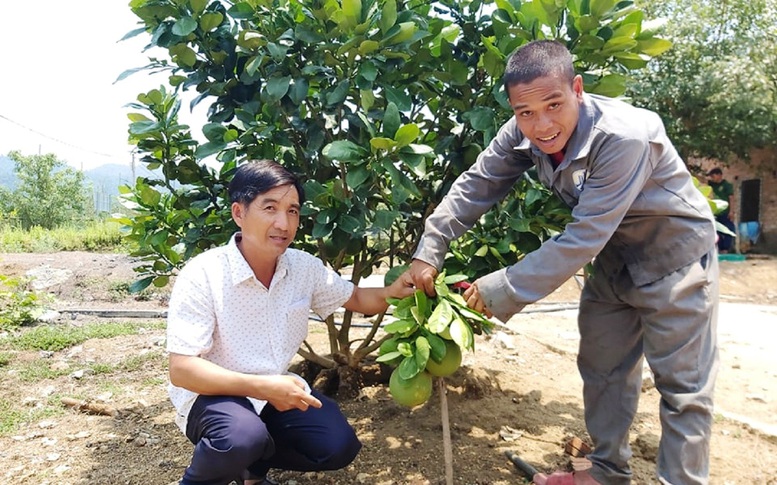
[{"x": 651, "y": 234}]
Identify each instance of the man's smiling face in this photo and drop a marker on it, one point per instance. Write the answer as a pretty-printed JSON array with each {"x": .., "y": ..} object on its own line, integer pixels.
[
  {"x": 269, "y": 223},
  {"x": 547, "y": 110}
]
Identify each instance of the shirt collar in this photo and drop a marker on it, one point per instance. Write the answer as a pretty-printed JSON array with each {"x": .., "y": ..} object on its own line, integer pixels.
[{"x": 239, "y": 267}]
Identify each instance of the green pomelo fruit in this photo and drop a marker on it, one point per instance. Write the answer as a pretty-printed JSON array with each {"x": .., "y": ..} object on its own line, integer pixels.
[
  {"x": 450, "y": 362},
  {"x": 411, "y": 392}
]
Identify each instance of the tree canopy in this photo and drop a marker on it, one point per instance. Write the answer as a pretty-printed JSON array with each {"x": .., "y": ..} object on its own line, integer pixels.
[
  {"x": 716, "y": 89},
  {"x": 48, "y": 194},
  {"x": 378, "y": 104}
]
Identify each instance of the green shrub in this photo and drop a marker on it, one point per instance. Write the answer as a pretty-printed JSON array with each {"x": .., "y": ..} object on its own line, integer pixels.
[{"x": 18, "y": 305}]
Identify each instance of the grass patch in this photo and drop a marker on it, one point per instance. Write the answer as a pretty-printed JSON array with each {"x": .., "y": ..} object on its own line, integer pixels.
[
  {"x": 5, "y": 358},
  {"x": 55, "y": 338},
  {"x": 38, "y": 370},
  {"x": 12, "y": 417},
  {"x": 96, "y": 235}
]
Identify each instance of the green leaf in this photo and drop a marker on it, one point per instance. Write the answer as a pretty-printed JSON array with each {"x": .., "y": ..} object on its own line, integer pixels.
[
  {"x": 299, "y": 90},
  {"x": 482, "y": 251},
  {"x": 654, "y": 47},
  {"x": 388, "y": 15},
  {"x": 339, "y": 93},
  {"x": 422, "y": 350},
  {"x": 140, "y": 285},
  {"x": 210, "y": 21},
  {"x": 630, "y": 60},
  {"x": 391, "y": 120},
  {"x": 149, "y": 197},
  {"x": 406, "y": 134},
  {"x": 184, "y": 26},
  {"x": 353, "y": 10},
  {"x": 385, "y": 219},
  {"x": 198, "y": 5},
  {"x": 611, "y": 85},
  {"x": 399, "y": 97},
  {"x": 356, "y": 176},
  {"x": 344, "y": 150},
  {"x": 481, "y": 118},
  {"x": 461, "y": 333},
  {"x": 368, "y": 47},
  {"x": 441, "y": 317},
  {"x": 277, "y": 87},
  {"x": 422, "y": 303},
  {"x": 394, "y": 273},
  {"x": 408, "y": 368},
  {"x": 183, "y": 55},
  {"x": 400, "y": 326},
  {"x": 438, "y": 349},
  {"x": 388, "y": 356},
  {"x": 600, "y": 7},
  {"x": 380, "y": 143},
  {"x": 208, "y": 149}
]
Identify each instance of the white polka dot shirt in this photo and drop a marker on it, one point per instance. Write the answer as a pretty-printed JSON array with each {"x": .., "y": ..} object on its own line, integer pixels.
[{"x": 220, "y": 312}]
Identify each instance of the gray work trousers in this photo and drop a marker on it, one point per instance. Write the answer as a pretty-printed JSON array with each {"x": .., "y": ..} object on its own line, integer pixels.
[{"x": 672, "y": 322}]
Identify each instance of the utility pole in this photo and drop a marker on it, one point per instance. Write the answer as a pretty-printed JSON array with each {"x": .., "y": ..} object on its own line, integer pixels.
[{"x": 134, "y": 150}]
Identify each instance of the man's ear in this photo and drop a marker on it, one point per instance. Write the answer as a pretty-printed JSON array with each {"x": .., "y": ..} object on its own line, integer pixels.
[
  {"x": 238, "y": 212},
  {"x": 577, "y": 86}
]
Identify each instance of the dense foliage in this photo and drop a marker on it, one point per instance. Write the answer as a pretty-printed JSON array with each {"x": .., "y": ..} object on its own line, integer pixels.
[
  {"x": 716, "y": 89},
  {"x": 378, "y": 105}
]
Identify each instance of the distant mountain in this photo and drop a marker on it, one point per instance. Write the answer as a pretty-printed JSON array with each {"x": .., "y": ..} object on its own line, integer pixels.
[{"x": 7, "y": 175}]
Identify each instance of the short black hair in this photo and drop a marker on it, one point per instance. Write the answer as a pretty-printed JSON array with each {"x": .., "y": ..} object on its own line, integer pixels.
[
  {"x": 538, "y": 58},
  {"x": 715, "y": 171},
  {"x": 255, "y": 177}
]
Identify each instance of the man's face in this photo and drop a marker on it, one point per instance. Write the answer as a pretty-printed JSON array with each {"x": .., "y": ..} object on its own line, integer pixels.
[
  {"x": 270, "y": 222},
  {"x": 716, "y": 178},
  {"x": 547, "y": 110}
]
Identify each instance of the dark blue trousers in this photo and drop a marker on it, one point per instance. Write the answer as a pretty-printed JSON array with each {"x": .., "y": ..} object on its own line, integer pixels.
[{"x": 232, "y": 442}]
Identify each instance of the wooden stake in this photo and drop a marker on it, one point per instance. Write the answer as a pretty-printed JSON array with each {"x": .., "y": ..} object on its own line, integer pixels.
[
  {"x": 446, "y": 431},
  {"x": 89, "y": 407}
]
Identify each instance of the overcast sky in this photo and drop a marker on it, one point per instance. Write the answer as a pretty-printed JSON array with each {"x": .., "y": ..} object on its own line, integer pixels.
[{"x": 59, "y": 62}]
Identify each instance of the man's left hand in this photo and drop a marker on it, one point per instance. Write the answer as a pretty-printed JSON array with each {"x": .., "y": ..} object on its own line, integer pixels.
[{"x": 475, "y": 300}]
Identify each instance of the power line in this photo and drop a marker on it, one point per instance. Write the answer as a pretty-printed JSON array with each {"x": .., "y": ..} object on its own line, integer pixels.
[{"x": 55, "y": 139}]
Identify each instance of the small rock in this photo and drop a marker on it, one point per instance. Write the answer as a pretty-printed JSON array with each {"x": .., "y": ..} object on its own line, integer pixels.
[
  {"x": 503, "y": 340},
  {"x": 78, "y": 436},
  {"x": 46, "y": 354},
  {"x": 49, "y": 316},
  {"x": 756, "y": 397},
  {"x": 362, "y": 477},
  {"x": 510, "y": 434},
  {"x": 647, "y": 445},
  {"x": 47, "y": 424}
]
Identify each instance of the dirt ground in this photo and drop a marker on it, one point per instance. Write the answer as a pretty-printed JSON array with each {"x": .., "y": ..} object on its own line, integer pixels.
[{"x": 518, "y": 392}]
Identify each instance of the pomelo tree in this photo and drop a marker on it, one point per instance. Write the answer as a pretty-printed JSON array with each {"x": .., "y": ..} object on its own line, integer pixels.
[{"x": 378, "y": 104}]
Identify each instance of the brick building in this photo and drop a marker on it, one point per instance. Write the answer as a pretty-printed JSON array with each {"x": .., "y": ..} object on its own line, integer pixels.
[{"x": 755, "y": 185}]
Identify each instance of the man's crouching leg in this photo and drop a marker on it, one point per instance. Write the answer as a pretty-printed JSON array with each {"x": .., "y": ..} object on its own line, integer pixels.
[
  {"x": 228, "y": 436},
  {"x": 311, "y": 440}
]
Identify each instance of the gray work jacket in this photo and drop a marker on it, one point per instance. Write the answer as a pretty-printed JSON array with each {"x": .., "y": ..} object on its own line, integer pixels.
[{"x": 633, "y": 204}]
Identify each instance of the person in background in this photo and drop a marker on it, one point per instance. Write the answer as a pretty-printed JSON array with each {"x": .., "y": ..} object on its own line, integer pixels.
[
  {"x": 237, "y": 315},
  {"x": 653, "y": 290},
  {"x": 723, "y": 190}
]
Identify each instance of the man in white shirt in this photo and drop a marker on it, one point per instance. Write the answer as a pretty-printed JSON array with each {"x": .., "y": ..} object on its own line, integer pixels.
[{"x": 237, "y": 316}]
